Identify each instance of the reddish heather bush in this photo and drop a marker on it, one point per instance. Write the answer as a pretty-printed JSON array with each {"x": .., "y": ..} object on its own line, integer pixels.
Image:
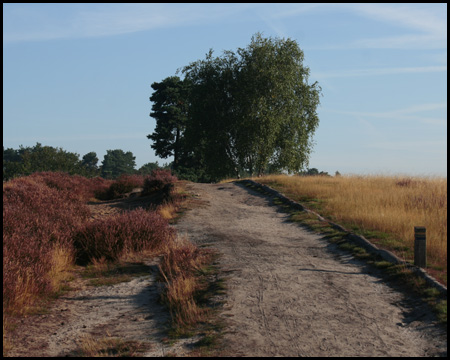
[
  {"x": 36, "y": 217},
  {"x": 25, "y": 269},
  {"x": 405, "y": 182},
  {"x": 76, "y": 187},
  {"x": 124, "y": 184},
  {"x": 159, "y": 180},
  {"x": 132, "y": 181},
  {"x": 40, "y": 208},
  {"x": 99, "y": 186},
  {"x": 132, "y": 231},
  {"x": 47, "y": 211}
]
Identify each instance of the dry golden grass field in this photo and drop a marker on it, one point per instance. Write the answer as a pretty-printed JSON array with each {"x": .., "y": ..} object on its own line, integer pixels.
[{"x": 384, "y": 209}]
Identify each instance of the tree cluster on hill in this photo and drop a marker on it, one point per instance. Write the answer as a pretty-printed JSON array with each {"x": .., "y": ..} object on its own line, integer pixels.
[
  {"x": 27, "y": 160},
  {"x": 315, "y": 172},
  {"x": 242, "y": 113}
]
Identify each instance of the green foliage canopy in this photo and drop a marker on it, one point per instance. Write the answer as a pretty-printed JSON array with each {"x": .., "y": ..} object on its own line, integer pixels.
[
  {"x": 170, "y": 111},
  {"x": 242, "y": 112},
  {"x": 117, "y": 162},
  {"x": 27, "y": 160},
  {"x": 277, "y": 106},
  {"x": 147, "y": 168}
]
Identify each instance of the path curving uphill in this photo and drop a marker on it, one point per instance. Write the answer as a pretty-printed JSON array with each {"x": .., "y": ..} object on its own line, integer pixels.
[{"x": 292, "y": 293}]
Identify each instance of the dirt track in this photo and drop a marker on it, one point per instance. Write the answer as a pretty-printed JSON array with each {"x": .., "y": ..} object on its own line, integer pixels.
[{"x": 291, "y": 293}]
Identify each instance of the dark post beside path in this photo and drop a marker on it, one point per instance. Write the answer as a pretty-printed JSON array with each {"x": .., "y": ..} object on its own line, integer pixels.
[{"x": 420, "y": 246}]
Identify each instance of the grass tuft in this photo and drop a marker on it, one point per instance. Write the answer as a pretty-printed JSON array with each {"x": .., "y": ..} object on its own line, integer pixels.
[
  {"x": 180, "y": 269},
  {"x": 110, "y": 347}
]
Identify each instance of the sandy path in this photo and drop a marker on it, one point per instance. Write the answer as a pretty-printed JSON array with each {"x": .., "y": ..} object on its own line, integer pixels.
[{"x": 291, "y": 293}]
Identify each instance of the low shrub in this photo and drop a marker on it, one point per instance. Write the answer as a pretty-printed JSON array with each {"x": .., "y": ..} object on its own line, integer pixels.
[
  {"x": 112, "y": 237},
  {"x": 37, "y": 221},
  {"x": 124, "y": 184},
  {"x": 75, "y": 186},
  {"x": 98, "y": 186},
  {"x": 159, "y": 180}
]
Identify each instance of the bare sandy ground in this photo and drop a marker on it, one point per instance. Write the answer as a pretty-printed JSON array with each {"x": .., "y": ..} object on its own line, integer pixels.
[
  {"x": 129, "y": 311},
  {"x": 291, "y": 293}
]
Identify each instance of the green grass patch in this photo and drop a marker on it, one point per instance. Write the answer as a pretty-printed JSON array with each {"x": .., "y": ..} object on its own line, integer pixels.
[
  {"x": 441, "y": 311},
  {"x": 382, "y": 264},
  {"x": 277, "y": 201}
]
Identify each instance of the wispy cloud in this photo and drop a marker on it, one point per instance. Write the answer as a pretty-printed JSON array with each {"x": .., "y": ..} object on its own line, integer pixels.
[
  {"x": 428, "y": 25},
  {"x": 36, "y": 22},
  {"x": 429, "y": 147},
  {"x": 423, "y": 26},
  {"x": 409, "y": 113},
  {"x": 78, "y": 137},
  {"x": 379, "y": 71},
  {"x": 274, "y": 14}
]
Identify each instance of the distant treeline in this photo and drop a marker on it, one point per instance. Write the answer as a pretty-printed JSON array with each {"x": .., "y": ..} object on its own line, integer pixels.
[{"x": 28, "y": 160}]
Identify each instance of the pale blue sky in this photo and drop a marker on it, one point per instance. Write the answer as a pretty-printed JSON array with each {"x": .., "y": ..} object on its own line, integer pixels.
[{"x": 78, "y": 76}]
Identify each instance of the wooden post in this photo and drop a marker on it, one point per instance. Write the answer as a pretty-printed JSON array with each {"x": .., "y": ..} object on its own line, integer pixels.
[{"x": 420, "y": 246}]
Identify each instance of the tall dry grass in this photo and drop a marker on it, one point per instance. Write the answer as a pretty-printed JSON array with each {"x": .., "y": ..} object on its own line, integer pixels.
[
  {"x": 179, "y": 268},
  {"x": 387, "y": 204}
]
